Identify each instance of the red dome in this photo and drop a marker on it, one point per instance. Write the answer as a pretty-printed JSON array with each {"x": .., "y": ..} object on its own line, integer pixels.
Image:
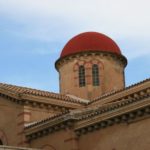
[{"x": 90, "y": 41}]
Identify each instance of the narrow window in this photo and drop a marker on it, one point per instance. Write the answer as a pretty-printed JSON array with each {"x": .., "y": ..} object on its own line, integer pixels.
[
  {"x": 95, "y": 75},
  {"x": 1, "y": 143},
  {"x": 81, "y": 76}
]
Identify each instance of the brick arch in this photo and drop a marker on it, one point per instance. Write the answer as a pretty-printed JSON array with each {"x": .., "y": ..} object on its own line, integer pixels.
[
  {"x": 98, "y": 62},
  {"x": 88, "y": 67},
  {"x": 87, "y": 64},
  {"x": 3, "y": 138},
  {"x": 100, "y": 65},
  {"x": 48, "y": 147},
  {"x": 76, "y": 70},
  {"x": 77, "y": 64}
]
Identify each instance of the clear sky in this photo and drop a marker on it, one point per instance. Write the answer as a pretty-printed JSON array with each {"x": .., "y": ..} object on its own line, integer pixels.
[{"x": 33, "y": 33}]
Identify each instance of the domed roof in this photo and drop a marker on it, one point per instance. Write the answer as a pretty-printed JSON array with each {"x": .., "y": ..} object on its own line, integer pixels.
[{"x": 90, "y": 41}]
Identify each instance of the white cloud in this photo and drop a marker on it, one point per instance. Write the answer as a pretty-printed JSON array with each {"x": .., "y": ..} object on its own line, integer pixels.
[
  {"x": 53, "y": 20},
  {"x": 134, "y": 48}
]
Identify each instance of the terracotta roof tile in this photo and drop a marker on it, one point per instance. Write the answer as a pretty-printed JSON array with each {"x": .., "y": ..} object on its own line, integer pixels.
[
  {"x": 29, "y": 91},
  {"x": 33, "y": 124},
  {"x": 115, "y": 92}
]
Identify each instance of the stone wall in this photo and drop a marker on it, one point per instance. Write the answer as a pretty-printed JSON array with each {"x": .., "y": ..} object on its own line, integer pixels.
[
  {"x": 111, "y": 75},
  {"x": 13, "y": 118},
  {"x": 60, "y": 140},
  {"x": 132, "y": 136},
  {"x": 9, "y": 122}
]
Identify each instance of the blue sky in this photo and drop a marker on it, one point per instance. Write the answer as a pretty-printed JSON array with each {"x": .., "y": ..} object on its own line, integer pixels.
[{"x": 33, "y": 33}]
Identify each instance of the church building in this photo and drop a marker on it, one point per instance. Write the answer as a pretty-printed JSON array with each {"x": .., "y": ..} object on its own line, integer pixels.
[{"x": 93, "y": 111}]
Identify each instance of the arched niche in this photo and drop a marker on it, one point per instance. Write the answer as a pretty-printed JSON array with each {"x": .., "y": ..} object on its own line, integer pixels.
[
  {"x": 1, "y": 143},
  {"x": 3, "y": 138}
]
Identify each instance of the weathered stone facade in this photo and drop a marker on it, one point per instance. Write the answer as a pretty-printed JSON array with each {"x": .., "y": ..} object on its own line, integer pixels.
[
  {"x": 108, "y": 116},
  {"x": 108, "y": 63}
]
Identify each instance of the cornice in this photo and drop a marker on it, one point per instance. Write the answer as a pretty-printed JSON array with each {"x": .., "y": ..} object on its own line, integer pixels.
[
  {"x": 113, "y": 113},
  {"x": 49, "y": 126},
  {"x": 69, "y": 58},
  {"x": 37, "y": 98},
  {"x": 89, "y": 119},
  {"x": 126, "y": 117},
  {"x": 120, "y": 112},
  {"x": 34, "y": 100},
  {"x": 109, "y": 107},
  {"x": 130, "y": 91}
]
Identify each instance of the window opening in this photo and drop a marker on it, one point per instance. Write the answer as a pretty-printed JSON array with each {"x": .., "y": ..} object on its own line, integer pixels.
[
  {"x": 95, "y": 75},
  {"x": 81, "y": 76}
]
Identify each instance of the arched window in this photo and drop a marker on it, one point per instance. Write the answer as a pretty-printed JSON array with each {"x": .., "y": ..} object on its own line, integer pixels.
[
  {"x": 81, "y": 76},
  {"x": 1, "y": 143},
  {"x": 95, "y": 75}
]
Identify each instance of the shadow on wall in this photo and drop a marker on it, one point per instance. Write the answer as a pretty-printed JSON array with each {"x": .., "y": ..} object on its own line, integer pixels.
[{"x": 1, "y": 143}]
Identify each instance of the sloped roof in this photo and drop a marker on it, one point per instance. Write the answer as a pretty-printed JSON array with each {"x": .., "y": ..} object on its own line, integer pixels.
[
  {"x": 121, "y": 92},
  {"x": 135, "y": 101},
  {"x": 21, "y": 93}
]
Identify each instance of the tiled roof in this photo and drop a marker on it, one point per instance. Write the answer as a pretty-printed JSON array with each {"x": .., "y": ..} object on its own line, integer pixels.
[
  {"x": 116, "y": 92},
  {"x": 86, "y": 113},
  {"x": 33, "y": 124},
  {"x": 29, "y": 91},
  {"x": 95, "y": 110}
]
